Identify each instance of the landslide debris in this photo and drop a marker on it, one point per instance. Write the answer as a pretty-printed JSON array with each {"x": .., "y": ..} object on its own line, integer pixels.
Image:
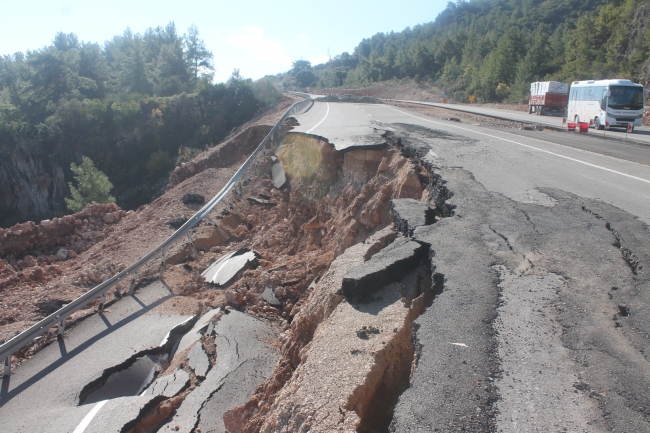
[
  {"x": 346, "y": 97},
  {"x": 312, "y": 388},
  {"x": 103, "y": 238},
  {"x": 332, "y": 214}
]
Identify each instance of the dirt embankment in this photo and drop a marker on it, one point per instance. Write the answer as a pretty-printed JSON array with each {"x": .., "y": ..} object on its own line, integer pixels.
[
  {"x": 394, "y": 89},
  {"x": 46, "y": 265},
  {"x": 333, "y": 207},
  {"x": 408, "y": 90}
]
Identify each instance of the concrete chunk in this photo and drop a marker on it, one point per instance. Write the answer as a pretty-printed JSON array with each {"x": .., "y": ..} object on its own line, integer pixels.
[
  {"x": 269, "y": 297},
  {"x": 409, "y": 214},
  {"x": 388, "y": 265},
  {"x": 278, "y": 175},
  {"x": 198, "y": 360},
  {"x": 261, "y": 202}
]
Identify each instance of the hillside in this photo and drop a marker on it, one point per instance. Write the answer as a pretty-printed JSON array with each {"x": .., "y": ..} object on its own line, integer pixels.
[
  {"x": 493, "y": 49},
  {"x": 137, "y": 106}
]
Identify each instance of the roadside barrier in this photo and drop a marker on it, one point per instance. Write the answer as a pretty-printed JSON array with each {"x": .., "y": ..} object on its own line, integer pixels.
[{"x": 59, "y": 317}]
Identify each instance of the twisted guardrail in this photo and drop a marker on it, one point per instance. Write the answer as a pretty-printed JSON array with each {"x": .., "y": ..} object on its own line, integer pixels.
[{"x": 59, "y": 317}]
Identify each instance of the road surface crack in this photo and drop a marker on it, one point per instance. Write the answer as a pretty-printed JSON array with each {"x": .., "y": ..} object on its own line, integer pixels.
[
  {"x": 504, "y": 238},
  {"x": 628, "y": 256},
  {"x": 529, "y": 220}
]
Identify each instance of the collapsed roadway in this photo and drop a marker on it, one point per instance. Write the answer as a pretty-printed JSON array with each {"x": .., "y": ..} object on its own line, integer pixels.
[{"x": 394, "y": 272}]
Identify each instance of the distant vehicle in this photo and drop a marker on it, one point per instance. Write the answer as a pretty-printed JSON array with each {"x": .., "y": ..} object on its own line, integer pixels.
[
  {"x": 606, "y": 104},
  {"x": 548, "y": 96}
]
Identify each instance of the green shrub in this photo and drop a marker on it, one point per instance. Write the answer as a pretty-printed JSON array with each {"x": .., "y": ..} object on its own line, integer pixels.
[{"x": 92, "y": 185}]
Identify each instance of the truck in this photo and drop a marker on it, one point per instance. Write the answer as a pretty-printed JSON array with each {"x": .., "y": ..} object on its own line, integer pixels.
[{"x": 547, "y": 97}]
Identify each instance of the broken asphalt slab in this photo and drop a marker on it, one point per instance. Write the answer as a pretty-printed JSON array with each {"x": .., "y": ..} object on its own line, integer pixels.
[
  {"x": 170, "y": 385},
  {"x": 261, "y": 202},
  {"x": 408, "y": 214},
  {"x": 197, "y": 331},
  {"x": 226, "y": 268},
  {"x": 52, "y": 381},
  {"x": 388, "y": 265},
  {"x": 243, "y": 345},
  {"x": 198, "y": 360}
]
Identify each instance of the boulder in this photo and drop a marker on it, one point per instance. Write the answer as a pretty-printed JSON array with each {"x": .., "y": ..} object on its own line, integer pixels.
[{"x": 62, "y": 254}]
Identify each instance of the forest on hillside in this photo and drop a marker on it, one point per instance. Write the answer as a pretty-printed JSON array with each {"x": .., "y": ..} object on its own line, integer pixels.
[
  {"x": 136, "y": 106},
  {"x": 494, "y": 49}
]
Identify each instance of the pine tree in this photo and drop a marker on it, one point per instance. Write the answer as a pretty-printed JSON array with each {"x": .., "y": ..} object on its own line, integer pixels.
[
  {"x": 197, "y": 56},
  {"x": 92, "y": 185}
]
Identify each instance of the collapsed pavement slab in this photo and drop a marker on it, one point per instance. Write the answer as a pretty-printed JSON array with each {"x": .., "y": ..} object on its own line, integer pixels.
[
  {"x": 261, "y": 202},
  {"x": 198, "y": 360},
  {"x": 245, "y": 358},
  {"x": 115, "y": 415},
  {"x": 53, "y": 380},
  {"x": 389, "y": 264},
  {"x": 228, "y": 267},
  {"x": 170, "y": 385},
  {"x": 197, "y": 330},
  {"x": 355, "y": 367},
  {"x": 408, "y": 214}
]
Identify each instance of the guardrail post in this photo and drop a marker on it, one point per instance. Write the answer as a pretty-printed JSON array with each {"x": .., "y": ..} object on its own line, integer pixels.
[
  {"x": 61, "y": 327},
  {"x": 101, "y": 302},
  {"x": 8, "y": 365},
  {"x": 132, "y": 285},
  {"x": 211, "y": 220},
  {"x": 162, "y": 263},
  {"x": 192, "y": 248}
]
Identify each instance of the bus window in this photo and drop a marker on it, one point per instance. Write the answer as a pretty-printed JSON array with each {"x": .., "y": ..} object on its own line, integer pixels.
[
  {"x": 626, "y": 98},
  {"x": 603, "y": 102}
]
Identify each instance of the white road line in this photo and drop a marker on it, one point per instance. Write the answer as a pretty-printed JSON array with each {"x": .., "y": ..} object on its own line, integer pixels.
[
  {"x": 531, "y": 147},
  {"x": 369, "y": 114},
  {"x": 322, "y": 120},
  {"x": 89, "y": 417}
]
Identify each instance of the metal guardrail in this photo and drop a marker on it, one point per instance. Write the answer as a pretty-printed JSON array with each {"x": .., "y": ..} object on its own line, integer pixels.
[{"x": 24, "y": 338}]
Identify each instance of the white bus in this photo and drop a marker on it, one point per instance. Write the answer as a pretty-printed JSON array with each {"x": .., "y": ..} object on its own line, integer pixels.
[{"x": 606, "y": 104}]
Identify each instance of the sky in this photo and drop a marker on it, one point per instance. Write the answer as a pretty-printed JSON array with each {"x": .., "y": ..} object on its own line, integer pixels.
[{"x": 259, "y": 38}]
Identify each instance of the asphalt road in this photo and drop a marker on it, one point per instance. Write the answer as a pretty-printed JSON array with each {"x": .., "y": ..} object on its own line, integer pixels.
[
  {"x": 641, "y": 134},
  {"x": 43, "y": 393},
  {"x": 542, "y": 321},
  {"x": 511, "y": 162}
]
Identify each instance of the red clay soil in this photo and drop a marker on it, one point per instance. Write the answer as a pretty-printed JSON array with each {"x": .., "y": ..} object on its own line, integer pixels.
[
  {"x": 101, "y": 240},
  {"x": 325, "y": 208}
]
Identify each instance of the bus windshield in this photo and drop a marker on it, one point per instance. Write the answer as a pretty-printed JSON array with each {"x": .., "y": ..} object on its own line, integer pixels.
[{"x": 626, "y": 98}]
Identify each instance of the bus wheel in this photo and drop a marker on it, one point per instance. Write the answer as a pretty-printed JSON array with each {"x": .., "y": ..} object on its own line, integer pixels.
[
  {"x": 530, "y": 109},
  {"x": 597, "y": 124},
  {"x": 541, "y": 110}
]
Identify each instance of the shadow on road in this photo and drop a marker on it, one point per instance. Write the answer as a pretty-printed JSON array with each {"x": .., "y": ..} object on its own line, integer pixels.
[{"x": 7, "y": 395}]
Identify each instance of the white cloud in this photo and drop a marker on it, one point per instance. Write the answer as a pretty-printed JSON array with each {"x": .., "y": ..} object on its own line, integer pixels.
[
  {"x": 316, "y": 60},
  {"x": 262, "y": 50}
]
